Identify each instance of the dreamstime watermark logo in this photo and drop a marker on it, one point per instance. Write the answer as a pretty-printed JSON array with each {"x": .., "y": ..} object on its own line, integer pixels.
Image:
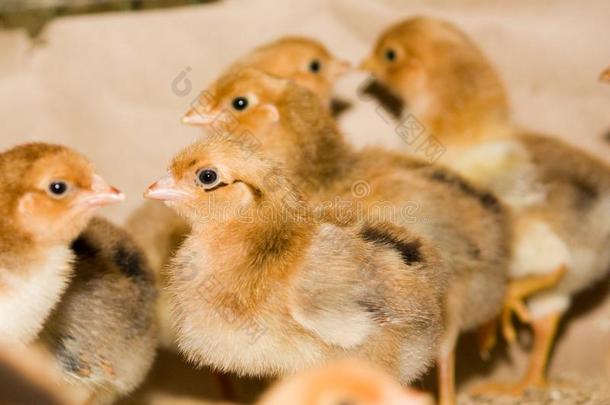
[
  {"x": 182, "y": 85},
  {"x": 361, "y": 189}
]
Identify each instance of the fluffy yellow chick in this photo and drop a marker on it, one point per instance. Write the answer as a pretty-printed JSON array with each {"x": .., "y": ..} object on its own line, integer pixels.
[
  {"x": 159, "y": 230},
  {"x": 102, "y": 333},
  {"x": 347, "y": 382},
  {"x": 467, "y": 225},
  {"x": 48, "y": 194},
  {"x": 260, "y": 287},
  {"x": 560, "y": 195}
]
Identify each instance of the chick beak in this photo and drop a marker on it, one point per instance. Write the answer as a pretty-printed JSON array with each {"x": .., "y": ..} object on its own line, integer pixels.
[
  {"x": 101, "y": 194},
  {"x": 196, "y": 117},
  {"x": 368, "y": 65},
  {"x": 165, "y": 189},
  {"x": 341, "y": 68}
]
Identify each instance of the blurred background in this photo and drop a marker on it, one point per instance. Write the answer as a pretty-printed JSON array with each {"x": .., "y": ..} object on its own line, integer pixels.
[{"x": 113, "y": 78}]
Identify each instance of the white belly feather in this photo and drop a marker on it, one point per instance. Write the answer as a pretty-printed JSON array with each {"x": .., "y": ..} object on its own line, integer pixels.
[{"x": 28, "y": 296}]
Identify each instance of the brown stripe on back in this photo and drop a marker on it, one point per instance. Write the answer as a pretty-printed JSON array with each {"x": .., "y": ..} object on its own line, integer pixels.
[
  {"x": 409, "y": 251},
  {"x": 486, "y": 198}
]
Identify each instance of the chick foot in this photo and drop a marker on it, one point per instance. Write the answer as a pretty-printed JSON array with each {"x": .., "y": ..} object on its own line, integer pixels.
[
  {"x": 545, "y": 330},
  {"x": 518, "y": 291}
]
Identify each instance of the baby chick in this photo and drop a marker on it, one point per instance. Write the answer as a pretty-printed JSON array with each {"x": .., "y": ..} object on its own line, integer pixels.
[
  {"x": 467, "y": 225},
  {"x": 347, "y": 382},
  {"x": 48, "y": 194},
  {"x": 259, "y": 287},
  {"x": 560, "y": 195},
  {"x": 102, "y": 333},
  {"x": 159, "y": 230}
]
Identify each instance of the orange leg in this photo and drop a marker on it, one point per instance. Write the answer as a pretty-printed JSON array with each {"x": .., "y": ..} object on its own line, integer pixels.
[
  {"x": 487, "y": 337},
  {"x": 518, "y": 290},
  {"x": 446, "y": 368},
  {"x": 226, "y": 386},
  {"x": 446, "y": 377},
  {"x": 545, "y": 330}
]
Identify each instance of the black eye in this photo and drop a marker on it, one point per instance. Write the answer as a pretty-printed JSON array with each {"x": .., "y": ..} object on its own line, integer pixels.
[
  {"x": 207, "y": 177},
  {"x": 58, "y": 188},
  {"x": 240, "y": 103},
  {"x": 390, "y": 54},
  {"x": 315, "y": 66}
]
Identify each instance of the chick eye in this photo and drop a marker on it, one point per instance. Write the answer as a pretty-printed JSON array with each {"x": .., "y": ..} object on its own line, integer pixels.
[
  {"x": 58, "y": 189},
  {"x": 315, "y": 66},
  {"x": 390, "y": 54},
  {"x": 240, "y": 103},
  {"x": 207, "y": 177}
]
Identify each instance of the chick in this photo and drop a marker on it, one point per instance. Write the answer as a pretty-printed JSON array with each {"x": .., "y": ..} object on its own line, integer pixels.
[
  {"x": 259, "y": 287},
  {"x": 560, "y": 195},
  {"x": 347, "y": 382},
  {"x": 467, "y": 225},
  {"x": 102, "y": 333},
  {"x": 159, "y": 231},
  {"x": 156, "y": 228},
  {"x": 48, "y": 194}
]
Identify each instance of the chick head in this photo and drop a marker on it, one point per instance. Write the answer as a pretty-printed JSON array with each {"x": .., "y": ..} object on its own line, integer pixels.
[
  {"x": 272, "y": 114},
  {"x": 430, "y": 63},
  {"x": 340, "y": 383},
  {"x": 219, "y": 180},
  {"x": 51, "y": 192},
  {"x": 241, "y": 99},
  {"x": 304, "y": 60}
]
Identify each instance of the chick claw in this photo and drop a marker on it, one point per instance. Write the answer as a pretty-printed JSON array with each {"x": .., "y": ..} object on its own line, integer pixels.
[
  {"x": 518, "y": 291},
  {"x": 514, "y": 304}
]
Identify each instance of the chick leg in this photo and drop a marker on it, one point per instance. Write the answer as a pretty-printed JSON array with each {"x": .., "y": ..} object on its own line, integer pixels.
[
  {"x": 446, "y": 370},
  {"x": 518, "y": 291},
  {"x": 545, "y": 330},
  {"x": 226, "y": 387}
]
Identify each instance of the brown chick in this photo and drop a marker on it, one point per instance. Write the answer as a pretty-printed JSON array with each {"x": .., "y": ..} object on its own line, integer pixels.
[
  {"x": 261, "y": 288},
  {"x": 468, "y": 226},
  {"x": 102, "y": 333},
  {"x": 48, "y": 194},
  {"x": 343, "y": 383},
  {"x": 160, "y": 232},
  {"x": 158, "y": 229},
  {"x": 560, "y": 195}
]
